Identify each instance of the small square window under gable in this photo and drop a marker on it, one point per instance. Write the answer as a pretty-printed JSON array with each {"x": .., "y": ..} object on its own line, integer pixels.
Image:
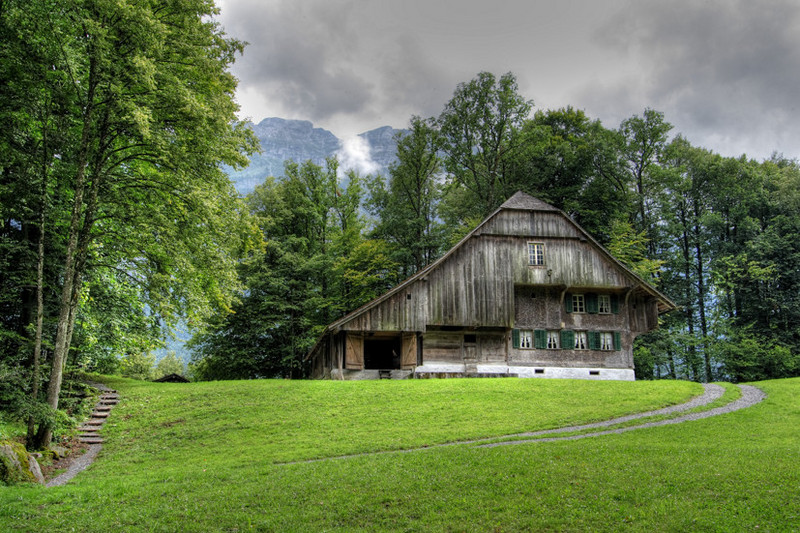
[{"x": 536, "y": 254}]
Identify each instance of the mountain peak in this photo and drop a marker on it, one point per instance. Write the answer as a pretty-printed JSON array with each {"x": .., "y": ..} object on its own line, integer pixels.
[{"x": 298, "y": 140}]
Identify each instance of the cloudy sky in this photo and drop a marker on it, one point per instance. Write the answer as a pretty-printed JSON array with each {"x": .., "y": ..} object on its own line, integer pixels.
[{"x": 726, "y": 73}]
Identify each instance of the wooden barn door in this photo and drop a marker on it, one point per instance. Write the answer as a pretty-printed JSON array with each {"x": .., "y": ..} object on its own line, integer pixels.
[
  {"x": 354, "y": 352},
  {"x": 409, "y": 359}
]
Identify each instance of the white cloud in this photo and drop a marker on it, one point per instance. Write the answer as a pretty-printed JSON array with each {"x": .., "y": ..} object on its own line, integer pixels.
[{"x": 355, "y": 155}]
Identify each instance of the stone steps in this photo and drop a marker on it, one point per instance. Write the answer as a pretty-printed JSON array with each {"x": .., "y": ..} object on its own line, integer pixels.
[{"x": 89, "y": 431}]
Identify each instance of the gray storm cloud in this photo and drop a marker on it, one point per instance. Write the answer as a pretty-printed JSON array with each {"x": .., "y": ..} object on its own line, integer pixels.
[{"x": 725, "y": 73}]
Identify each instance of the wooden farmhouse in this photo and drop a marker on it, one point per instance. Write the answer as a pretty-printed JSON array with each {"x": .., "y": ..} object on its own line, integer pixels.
[{"x": 527, "y": 293}]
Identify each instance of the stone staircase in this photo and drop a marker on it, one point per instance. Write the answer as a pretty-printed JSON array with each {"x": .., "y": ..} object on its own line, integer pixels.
[{"x": 90, "y": 430}]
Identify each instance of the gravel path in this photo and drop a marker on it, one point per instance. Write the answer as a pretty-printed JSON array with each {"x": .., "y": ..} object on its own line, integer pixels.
[
  {"x": 78, "y": 465},
  {"x": 750, "y": 396}
]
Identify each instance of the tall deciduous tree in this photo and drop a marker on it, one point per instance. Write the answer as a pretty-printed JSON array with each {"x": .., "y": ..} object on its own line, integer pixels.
[
  {"x": 479, "y": 134},
  {"x": 644, "y": 139}
]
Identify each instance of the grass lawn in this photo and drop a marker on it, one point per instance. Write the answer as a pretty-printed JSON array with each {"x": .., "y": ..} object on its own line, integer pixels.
[{"x": 206, "y": 457}]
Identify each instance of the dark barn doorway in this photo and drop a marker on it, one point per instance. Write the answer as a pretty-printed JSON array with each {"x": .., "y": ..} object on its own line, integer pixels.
[{"x": 382, "y": 353}]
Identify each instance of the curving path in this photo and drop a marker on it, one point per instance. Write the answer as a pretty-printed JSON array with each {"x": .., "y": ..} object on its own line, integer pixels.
[{"x": 750, "y": 396}]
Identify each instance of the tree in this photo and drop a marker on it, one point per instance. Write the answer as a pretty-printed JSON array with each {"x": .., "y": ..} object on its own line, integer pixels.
[
  {"x": 479, "y": 135},
  {"x": 407, "y": 206},
  {"x": 573, "y": 163},
  {"x": 138, "y": 365},
  {"x": 644, "y": 139}
]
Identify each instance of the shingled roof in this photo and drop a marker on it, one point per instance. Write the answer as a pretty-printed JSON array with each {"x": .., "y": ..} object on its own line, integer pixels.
[{"x": 521, "y": 200}]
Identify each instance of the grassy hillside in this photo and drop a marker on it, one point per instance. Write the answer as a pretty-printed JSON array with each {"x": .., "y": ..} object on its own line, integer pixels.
[{"x": 207, "y": 457}]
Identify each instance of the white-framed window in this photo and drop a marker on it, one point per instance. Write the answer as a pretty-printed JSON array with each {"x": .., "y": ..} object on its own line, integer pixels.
[
  {"x": 606, "y": 340},
  {"x": 604, "y": 304},
  {"x": 525, "y": 338},
  {"x": 580, "y": 340},
  {"x": 553, "y": 340},
  {"x": 535, "y": 254},
  {"x": 578, "y": 303}
]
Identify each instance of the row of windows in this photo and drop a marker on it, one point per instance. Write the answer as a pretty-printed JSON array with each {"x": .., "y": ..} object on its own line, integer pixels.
[
  {"x": 566, "y": 339},
  {"x": 604, "y": 304}
]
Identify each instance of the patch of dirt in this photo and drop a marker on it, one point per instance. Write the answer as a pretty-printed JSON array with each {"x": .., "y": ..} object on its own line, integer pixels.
[{"x": 76, "y": 450}]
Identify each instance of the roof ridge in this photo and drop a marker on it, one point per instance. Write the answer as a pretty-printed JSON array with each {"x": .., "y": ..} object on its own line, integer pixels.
[{"x": 523, "y": 200}]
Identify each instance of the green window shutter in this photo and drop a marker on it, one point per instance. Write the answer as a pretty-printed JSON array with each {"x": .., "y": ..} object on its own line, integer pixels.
[
  {"x": 515, "y": 338},
  {"x": 568, "y": 303},
  {"x": 591, "y": 303},
  {"x": 567, "y": 339},
  {"x": 617, "y": 340},
  {"x": 615, "y": 304},
  {"x": 540, "y": 339},
  {"x": 594, "y": 340}
]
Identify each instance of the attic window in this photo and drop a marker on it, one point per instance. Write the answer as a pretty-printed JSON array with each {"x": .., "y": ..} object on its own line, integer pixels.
[{"x": 535, "y": 254}]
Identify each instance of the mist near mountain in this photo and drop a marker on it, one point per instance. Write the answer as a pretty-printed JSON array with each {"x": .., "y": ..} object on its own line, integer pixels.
[{"x": 281, "y": 140}]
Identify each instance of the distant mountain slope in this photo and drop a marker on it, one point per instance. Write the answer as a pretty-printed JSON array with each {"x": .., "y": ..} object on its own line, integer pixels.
[{"x": 298, "y": 140}]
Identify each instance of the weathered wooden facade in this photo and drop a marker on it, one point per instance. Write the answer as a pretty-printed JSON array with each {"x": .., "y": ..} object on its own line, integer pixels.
[{"x": 526, "y": 293}]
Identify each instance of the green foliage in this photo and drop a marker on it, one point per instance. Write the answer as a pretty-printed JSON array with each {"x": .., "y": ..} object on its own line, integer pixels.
[
  {"x": 367, "y": 272},
  {"x": 479, "y": 134},
  {"x": 316, "y": 265},
  {"x": 169, "y": 364},
  {"x": 630, "y": 247},
  {"x": 113, "y": 125},
  {"x": 407, "y": 206},
  {"x": 137, "y": 365}
]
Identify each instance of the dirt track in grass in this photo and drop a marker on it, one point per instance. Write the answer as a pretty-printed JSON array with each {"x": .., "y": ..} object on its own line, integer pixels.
[{"x": 750, "y": 396}]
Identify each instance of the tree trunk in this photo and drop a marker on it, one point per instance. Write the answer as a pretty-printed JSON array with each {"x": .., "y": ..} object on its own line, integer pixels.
[
  {"x": 37, "y": 345},
  {"x": 66, "y": 312},
  {"x": 687, "y": 272},
  {"x": 701, "y": 290}
]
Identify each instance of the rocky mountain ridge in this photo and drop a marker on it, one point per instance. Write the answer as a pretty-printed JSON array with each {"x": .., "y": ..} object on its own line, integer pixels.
[{"x": 298, "y": 140}]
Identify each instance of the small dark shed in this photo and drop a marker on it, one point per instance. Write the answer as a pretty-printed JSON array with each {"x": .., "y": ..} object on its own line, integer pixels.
[
  {"x": 526, "y": 293},
  {"x": 171, "y": 378}
]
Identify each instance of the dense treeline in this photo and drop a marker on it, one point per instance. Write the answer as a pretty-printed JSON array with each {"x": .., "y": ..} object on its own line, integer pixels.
[
  {"x": 718, "y": 235},
  {"x": 116, "y": 218},
  {"x": 117, "y": 221}
]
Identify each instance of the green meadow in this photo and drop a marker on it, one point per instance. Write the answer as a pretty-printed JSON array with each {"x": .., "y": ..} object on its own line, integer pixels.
[{"x": 363, "y": 456}]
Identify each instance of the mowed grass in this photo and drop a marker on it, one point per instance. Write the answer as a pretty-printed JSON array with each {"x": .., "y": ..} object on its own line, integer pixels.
[{"x": 206, "y": 457}]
